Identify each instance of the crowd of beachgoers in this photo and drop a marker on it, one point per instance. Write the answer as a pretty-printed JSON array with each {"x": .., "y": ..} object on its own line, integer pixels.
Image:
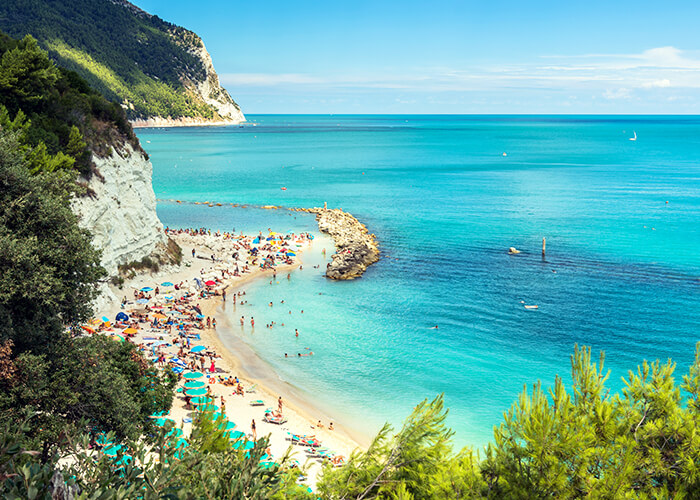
[{"x": 172, "y": 319}]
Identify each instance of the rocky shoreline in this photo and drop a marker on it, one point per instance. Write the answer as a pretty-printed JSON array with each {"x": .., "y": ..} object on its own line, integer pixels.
[{"x": 356, "y": 247}]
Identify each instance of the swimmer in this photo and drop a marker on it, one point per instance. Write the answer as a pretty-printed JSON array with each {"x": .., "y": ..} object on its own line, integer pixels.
[{"x": 434, "y": 327}]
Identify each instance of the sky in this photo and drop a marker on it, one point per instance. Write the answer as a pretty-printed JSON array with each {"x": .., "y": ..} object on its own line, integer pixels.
[{"x": 449, "y": 56}]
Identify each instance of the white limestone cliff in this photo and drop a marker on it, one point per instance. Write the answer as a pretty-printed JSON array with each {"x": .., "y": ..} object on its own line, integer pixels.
[{"x": 120, "y": 211}]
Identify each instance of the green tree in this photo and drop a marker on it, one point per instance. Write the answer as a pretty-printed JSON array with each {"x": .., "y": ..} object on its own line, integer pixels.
[{"x": 49, "y": 267}]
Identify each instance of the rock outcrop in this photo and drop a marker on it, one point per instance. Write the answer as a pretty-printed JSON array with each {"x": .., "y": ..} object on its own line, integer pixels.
[
  {"x": 356, "y": 247},
  {"x": 120, "y": 209}
]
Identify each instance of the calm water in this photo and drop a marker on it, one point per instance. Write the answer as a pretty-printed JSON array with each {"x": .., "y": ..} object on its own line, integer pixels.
[{"x": 446, "y": 205}]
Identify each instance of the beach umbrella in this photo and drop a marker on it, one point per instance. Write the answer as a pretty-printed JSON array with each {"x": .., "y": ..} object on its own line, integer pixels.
[
  {"x": 147, "y": 289},
  {"x": 193, "y": 375},
  {"x": 159, "y": 414},
  {"x": 200, "y": 316},
  {"x": 249, "y": 445},
  {"x": 117, "y": 337},
  {"x": 142, "y": 301},
  {"x": 101, "y": 440},
  {"x": 201, "y": 391},
  {"x": 167, "y": 283},
  {"x": 121, "y": 316},
  {"x": 126, "y": 459},
  {"x": 227, "y": 426},
  {"x": 88, "y": 329},
  {"x": 208, "y": 408},
  {"x": 105, "y": 319},
  {"x": 210, "y": 283},
  {"x": 194, "y": 384},
  {"x": 256, "y": 240},
  {"x": 236, "y": 435},
  {"x": 201, "y": 400},
  {"x": 159, "y": 316},
  {"x": 160, "y": 422},
  {"x": 198, "y": 348},
  {"x": 216, "y": 416},
  {"x": 291, "y": 254},
  {"x": 130, "y": 331},
  {"x": 111, "y": 451},
  {"x": 174, "y": 432},
  {"x": 169, "y": 297}
]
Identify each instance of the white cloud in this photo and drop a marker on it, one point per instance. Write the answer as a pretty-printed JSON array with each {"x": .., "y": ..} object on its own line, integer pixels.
[
  {"x": 267, "y": 79},
  {"x": 660, "y": 84}
]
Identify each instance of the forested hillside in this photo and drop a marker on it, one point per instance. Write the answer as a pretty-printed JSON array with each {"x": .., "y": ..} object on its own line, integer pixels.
[{"x": 152, "y": 67}]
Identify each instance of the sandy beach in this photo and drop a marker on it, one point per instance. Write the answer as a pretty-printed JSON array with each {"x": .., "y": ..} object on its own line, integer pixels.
[{"x": 235, "y": 359}]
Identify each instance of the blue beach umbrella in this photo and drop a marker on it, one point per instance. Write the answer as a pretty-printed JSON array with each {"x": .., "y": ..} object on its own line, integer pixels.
[
  {"x": 169, "y": 297},
  {"x": 147, "y": 289},
  {"x": 196, "y": 392},
  {"x": 194, "y": 384},
  {"x": 161, "y": 422},
  {"x": 111, "y": 451},
  {"x": 167, "y": 283},
  {"x": 193, "y": 375},
  {"x": 249, "y": 445},
  {"x": 201, "y": 400},
  {"x": 208, "y": 408},
  {"x": 105, "y": 319},
  {"x": 174, "y": 432},
  {"x": 121, "y": 316},
  {"x": 198, "y": 348},
  {"x": 291, "y": 254},
  {"x": 142, "y": 301},
  {"x": 236, "y": 435},
  {"x": 227, "y": 426},
  {"x": 256, "y": 240}
]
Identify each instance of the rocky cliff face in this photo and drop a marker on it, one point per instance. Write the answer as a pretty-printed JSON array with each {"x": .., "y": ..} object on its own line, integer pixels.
[{"x": 120, "y": 209}]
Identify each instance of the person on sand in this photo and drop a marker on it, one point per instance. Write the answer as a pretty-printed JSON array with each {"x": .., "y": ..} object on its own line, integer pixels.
[
  {"x": 242, "y": 320},
  {"x": 253, "y": 431},
  {"x": 208, "y": 322},
  {"x": 213, "y": 323},
  {"x": 212, "y": 367},
  {"x": 319, "y": 425},
  {"x": 330, "y": 427},
  {"x": 193, "y": 253},
  {"x": 279, "y": 405}
]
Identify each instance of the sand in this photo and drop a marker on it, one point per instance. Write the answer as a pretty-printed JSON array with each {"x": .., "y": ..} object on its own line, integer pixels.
[{"x": 302, "y": 416}]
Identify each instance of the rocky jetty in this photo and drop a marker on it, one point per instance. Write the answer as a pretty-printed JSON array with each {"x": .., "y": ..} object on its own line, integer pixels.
[{"x": 356, "y": 247}]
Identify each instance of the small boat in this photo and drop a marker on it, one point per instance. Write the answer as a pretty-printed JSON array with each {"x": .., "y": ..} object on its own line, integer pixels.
[
  {"x": 532, "y": 307},
  {"x": 635, "y": 136},
  {"x": 283, "y": 189},
  {"x": 505, "y": 154}
]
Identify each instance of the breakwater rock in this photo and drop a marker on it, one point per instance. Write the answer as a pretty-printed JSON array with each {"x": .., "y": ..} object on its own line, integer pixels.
[{"x": 356, "y": 247}]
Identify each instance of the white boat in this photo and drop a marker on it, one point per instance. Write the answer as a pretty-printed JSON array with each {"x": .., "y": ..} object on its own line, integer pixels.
[{"x": 634, "y": 138}]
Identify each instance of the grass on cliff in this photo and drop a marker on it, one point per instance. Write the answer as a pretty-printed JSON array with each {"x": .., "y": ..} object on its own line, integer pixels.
[{"x": 123, "y": 52}]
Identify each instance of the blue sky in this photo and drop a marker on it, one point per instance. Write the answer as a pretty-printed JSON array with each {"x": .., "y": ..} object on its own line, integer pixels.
[{"x": 441, "y": 56}]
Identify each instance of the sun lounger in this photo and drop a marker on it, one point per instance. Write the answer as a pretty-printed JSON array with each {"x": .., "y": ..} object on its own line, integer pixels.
[{"x": 257, "y": 402}]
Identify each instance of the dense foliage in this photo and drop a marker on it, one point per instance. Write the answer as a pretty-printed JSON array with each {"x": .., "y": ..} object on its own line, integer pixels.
[
  {"x": 165, "y": 469},
  {"x": 48, "y": 277},
  {"x": 586, "y": 442},
  {"x": 58, "y": 116},
  {"x": 123, "y": 52}
]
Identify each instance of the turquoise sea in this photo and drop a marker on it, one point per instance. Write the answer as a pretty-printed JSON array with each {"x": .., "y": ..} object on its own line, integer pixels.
[{"x": 622, "y": 270}]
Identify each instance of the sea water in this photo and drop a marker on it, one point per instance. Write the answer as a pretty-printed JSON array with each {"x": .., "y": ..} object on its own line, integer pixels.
[{"x": 447, "y": 196}]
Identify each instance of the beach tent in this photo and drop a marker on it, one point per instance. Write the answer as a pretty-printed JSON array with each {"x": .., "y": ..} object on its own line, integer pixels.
[{"x": 121, "y": 316}]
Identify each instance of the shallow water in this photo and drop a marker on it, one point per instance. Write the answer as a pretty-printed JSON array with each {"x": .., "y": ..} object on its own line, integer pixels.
[{"x": 446, "y": 205}]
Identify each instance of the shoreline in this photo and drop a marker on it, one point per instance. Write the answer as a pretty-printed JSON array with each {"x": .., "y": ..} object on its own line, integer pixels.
[{"x": 236, "y": 358}]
